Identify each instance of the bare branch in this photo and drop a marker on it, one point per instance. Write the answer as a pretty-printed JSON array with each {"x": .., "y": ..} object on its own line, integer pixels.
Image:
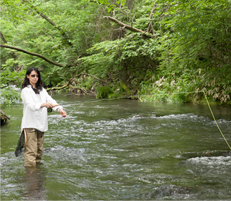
[
  {"x": 53, "y": 24},
  {"x": 57, "y": 88},
  {"x": 129, "y": 27},
  {"x": 87, "y": 75},
  {"x": 32, "y": 53},
  {"x": 153, "y": 8},
  {"x": 150, "y": 16},
  {"x": 79, "y": 88},
  {"x": 2, "y": 37}
]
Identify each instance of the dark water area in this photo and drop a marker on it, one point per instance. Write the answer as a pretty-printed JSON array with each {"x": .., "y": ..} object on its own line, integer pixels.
[{"x": 122, "y": 150}]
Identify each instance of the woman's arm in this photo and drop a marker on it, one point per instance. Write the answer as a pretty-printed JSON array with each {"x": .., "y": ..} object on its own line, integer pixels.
[
  {"x": 48, "y": 105},
  {"x": 53, "y": 104}
]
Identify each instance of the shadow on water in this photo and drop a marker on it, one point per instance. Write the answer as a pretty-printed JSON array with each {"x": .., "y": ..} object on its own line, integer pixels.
[{"x": 122, "y": 150}]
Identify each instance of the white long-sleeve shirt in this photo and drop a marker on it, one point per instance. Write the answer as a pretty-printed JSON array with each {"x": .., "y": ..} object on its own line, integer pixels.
[{"x": 33, "y": 115}]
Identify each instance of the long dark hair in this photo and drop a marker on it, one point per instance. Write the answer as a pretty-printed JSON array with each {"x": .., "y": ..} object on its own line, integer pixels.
[{"x": 39, "y": 84}]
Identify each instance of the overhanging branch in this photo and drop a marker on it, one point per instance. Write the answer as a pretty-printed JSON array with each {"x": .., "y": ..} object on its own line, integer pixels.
[
  {"x": 128, "y": 27},
  {"x": 66, "y": 38},
  {"x": 32, "y": 53}
]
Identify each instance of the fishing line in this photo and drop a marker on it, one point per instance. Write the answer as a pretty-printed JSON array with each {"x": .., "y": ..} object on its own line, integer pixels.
[
  {"x": 122, "y": 97},
  {"x": 216, "y": 121}
]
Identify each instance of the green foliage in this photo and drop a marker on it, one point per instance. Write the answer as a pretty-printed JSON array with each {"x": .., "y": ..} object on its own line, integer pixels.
[
  {"x": 110, "y": 4},
  {"x": 9, "y": 79},
  {"x": 104, "y": 92},
  {"x": 9, "y": 96},
  {"x": 194, "y": 49},
  {"x": 28, "y": 30},
  {"x": 190, "y": 47},
  {"x": 127, "y": 59}
]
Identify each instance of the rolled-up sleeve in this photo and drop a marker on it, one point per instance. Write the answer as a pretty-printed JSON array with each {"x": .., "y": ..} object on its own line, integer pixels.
[{"x": 49, "y": 99}]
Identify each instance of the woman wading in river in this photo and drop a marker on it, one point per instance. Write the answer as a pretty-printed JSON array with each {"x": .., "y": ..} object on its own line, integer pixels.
[{"x": 36, "y": 100}]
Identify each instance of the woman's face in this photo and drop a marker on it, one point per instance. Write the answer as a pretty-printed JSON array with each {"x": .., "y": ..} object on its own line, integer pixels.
[{"x": 33, "y": 78}]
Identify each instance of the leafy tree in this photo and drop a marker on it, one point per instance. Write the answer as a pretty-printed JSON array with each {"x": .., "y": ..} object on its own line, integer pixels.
[
  {"x": 198, "y": 45},
  {"x": 51, "y": 34},
  {"x": 152, "y": 47}
]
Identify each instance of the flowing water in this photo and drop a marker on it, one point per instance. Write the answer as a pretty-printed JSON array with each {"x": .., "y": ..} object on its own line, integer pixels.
[{"x": 122, "y": 150}]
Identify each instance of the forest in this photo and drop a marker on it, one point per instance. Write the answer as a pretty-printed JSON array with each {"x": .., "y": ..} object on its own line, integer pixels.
[{"x": 160, "y": 50}]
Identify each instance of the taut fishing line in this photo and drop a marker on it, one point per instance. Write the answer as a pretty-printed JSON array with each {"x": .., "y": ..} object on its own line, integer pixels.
[
  {"x": 122, "y": 97},
  {"x": 216, "y": 121}
]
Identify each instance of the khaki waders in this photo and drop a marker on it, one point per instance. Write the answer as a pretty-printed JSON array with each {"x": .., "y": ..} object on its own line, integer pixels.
[{"x": 33, "y": 150}]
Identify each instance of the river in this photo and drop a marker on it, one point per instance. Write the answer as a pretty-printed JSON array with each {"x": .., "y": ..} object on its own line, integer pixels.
[{"x": 122, "y": 150}]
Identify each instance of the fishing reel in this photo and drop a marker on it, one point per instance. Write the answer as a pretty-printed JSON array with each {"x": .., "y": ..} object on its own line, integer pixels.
[{"x": 49, "y": 110}]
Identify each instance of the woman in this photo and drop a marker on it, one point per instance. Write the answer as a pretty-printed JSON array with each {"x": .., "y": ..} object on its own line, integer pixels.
[{"x": 36, "y": 100}]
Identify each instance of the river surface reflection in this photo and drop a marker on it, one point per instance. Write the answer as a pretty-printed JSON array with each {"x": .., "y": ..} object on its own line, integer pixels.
[{"x": 122, "y": 150}]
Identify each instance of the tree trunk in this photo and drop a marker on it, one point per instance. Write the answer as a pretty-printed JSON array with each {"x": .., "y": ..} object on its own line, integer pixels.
[{"x": 4, "y": 118}]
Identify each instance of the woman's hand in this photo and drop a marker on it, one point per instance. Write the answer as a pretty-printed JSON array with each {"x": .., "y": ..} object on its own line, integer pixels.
[
  {"x": 51, "y": 105},
  {"x": 62, "y": 112},
  {"x": 48, "y": 105}
]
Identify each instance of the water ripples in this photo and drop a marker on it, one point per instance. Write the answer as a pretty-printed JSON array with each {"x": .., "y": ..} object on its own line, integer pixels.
[{"x": 118, "y": 150}]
